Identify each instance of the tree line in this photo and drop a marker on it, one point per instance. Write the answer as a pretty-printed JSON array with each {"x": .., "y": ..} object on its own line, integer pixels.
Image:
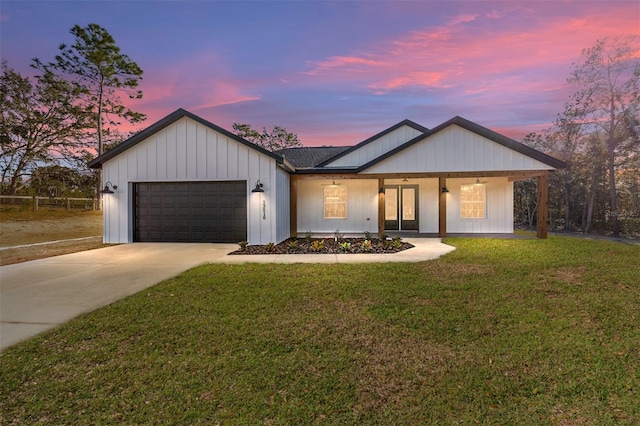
[
  {"x": 65, "y": 114},
  {"x": 597, "y": 135}
]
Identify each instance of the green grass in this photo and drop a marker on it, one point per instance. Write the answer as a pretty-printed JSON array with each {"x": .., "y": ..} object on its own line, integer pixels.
[{"x": 497, "y": 332}]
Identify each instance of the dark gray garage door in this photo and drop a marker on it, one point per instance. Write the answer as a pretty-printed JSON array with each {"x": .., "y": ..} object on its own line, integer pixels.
[{"x": 190, "y": 211}]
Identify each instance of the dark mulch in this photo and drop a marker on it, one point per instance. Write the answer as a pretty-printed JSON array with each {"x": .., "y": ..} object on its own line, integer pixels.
[{"x": 326, "y": 246}]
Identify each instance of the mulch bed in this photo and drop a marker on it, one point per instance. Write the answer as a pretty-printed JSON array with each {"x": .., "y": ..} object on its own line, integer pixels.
[{"x": 326, "y": 246}]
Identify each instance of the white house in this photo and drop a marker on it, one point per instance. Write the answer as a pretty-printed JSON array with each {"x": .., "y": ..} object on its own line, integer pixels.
[{"x": 186, "y": 179}]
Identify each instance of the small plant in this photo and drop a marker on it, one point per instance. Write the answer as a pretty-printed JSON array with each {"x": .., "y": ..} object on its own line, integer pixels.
[
  {"x": 386, "y": 244},
  {"x": 270, "y": 247},
  {"x": 397, "y": 242},
  {"x": 345, "y": 246},
  {"x": 243, "y": 245},
  {"x": 366, "y": 245},
  {"x": 367, "y": 235},
  {"x": 383, "y": 236},
  {"x": 317, "y": 245},
  {"x": 293, "y": 245},
  {"x": 307, "y": 236},
  {"x": 337, "y": 235}
]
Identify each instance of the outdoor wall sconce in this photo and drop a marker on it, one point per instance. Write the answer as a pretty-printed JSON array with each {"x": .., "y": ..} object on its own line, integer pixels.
[
  {"x": 258, "y": 187},
  {"x": 381, "y": 191},
  {"x": 444, "y": 190},
  {"x": 106, "y": 189}
]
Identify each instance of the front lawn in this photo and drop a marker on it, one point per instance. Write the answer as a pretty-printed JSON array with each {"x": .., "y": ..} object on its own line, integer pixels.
[{"x": 497, "y": 332}]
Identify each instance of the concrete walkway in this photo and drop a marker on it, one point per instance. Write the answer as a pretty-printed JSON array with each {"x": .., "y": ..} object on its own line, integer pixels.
[{"x": 42, "y": 294}]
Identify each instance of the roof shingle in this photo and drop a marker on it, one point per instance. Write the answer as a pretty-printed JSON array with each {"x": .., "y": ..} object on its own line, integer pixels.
[{"x": 307, "y": 157}]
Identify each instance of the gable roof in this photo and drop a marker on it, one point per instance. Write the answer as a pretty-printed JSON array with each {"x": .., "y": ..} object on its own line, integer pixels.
[
  {"x": 315, "y": 159},
  {"x": 165, "y": 122},
  {"x": 405, "y": 122},
  {"x": 482, "y": 131},
  {"x": 305, "y": 157},
  {"x": 458, "y": 121}
]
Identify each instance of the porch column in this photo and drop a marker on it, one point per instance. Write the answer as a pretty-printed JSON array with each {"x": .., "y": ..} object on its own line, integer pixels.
[
  {"x": 442, "y": 208},
  {"x": 380, "y": 206},
  {"x": 543, "y": 206},
  {"x": 293, "y": 206}
]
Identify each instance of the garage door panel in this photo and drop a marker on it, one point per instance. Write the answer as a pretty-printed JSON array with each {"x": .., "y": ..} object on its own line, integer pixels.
[{"x": 190, "y": 211}]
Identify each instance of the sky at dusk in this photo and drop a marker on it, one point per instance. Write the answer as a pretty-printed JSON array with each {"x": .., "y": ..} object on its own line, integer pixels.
[{"x": 336, "y": 72}]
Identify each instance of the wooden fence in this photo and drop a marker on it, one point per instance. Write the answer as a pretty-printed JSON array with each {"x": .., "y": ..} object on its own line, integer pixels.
[{"x": 36, "y": 202}]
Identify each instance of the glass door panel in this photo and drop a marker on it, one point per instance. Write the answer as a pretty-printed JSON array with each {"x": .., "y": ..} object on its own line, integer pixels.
[
  {"x": 391, "y": 204},
  {"x": 409, "y": 202}
]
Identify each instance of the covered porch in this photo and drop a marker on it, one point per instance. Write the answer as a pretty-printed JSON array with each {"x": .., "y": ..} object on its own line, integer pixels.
[{"x": 378, "y": 199}]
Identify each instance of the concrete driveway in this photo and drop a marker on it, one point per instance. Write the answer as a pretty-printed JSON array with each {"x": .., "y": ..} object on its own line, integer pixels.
[
  {"x": 38, "y": 295},
  {"x": 41, "y": 294}
]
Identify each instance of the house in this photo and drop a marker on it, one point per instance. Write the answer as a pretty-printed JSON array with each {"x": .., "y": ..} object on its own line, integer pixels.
[{"x": 186, "y": 179}]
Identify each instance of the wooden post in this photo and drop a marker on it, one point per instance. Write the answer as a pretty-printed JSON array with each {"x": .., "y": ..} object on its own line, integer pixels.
[
  {"x": 293, "y": 207},
  {"x": 381, "y": 211},
  {"x": 543, "y": 207},
  {"x": 35, "y": 203},
  {"x": 68, "y": 204},
  {"x": 442, "y": 208}
]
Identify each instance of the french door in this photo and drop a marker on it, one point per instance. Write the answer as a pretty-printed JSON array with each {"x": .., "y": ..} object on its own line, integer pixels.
[{"x": 401, "y": 208}]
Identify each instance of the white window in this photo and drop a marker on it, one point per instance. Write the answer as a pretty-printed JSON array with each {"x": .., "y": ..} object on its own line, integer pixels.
[
  {"x": 473, "y": 201},
  {"x": 335, "y": 202}
]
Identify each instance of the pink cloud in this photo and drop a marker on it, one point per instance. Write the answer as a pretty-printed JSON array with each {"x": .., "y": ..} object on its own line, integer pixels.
[
  {"x": 340, "y": 62},
  {"x": 472, "y": 54},
  {"x": 431, "y": 79},
  {"x": 183, "y": 85},
  {"x": 461, "y": 19}
]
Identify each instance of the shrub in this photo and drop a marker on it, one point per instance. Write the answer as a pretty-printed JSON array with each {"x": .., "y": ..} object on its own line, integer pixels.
[
  {"x": 308, "y": 235},
  {"x": 243, "y": 245},
  {"x": 397, "y": 242},
  {"x": 366, "y": 245},
  {"x": 345, "y": 246},
  {"x": 317, "y": 245},
  {"x": 293, "y": 245},
  {"x": 367, "y": 235},
  {"x": 270, "y": 247}
]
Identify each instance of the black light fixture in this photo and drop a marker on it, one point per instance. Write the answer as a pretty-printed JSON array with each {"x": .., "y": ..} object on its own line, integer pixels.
[
  {"x": 444, "y": 190},
  {"x": 106, "y": 189},
  {"x": 381, "y": 190},
  {"x": 258, "y": 187}
]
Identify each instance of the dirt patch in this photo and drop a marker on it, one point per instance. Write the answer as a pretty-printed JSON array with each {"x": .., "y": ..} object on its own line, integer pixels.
[
  {"x": 25, "y": 228},
  {"x": 48, "y": 227},
  {"x": 571, "y": 275},
  {"x": 23, "y": 254}
]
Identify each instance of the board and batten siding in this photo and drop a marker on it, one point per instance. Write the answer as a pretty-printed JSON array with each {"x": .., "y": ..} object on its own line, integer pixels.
[
  {"x": 362, "y": 207},
  {"x": 456, "y": 149},
  {"x": 189, "y": 151},
  {"x": 499, "y": 207},
  {"x": 376, "y": 148}
]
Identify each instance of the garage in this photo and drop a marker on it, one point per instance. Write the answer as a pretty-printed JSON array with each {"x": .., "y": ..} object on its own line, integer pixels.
[{"x": 212, "y": 212}]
